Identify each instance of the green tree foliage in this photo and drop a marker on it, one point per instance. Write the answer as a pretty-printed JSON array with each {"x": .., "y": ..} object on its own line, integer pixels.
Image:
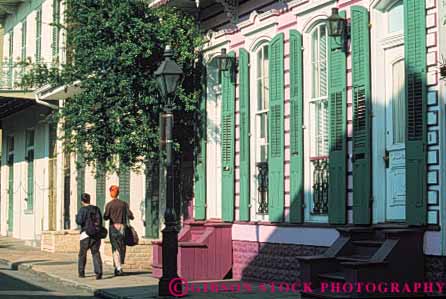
[{"x": 114, "y": 48}]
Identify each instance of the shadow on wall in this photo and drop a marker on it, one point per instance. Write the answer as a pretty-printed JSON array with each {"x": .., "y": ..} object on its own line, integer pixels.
[{"x": 267, "y": 261}]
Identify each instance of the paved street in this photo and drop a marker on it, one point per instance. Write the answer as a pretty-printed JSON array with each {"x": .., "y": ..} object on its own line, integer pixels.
[
  {"x": 14, "y": 284},
  {"x": 27, "y": 272}
]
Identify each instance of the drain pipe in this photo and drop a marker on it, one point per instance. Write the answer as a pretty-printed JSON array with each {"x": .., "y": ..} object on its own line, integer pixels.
[{"x": 39, "y": 101}]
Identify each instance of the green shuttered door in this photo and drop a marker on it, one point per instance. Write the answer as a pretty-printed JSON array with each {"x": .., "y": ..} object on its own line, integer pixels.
[
  {"x": 200, "y": 159},
  {"x": 100, "y": 186},
  {"x": 362, "y": 177},
  {"x": 338, "y": 119},
  {"x": 227, "y": 146},
  {"x": 275, "y": 130},
  {"x": 415, "y": 59},
  {"x": 80, "y": 178},
  {"x": 296, "y": 118},
  {"x": 124, "y": 184},
  {"x": 244, "y": 135},
  {"x": 10, "y": 163}
]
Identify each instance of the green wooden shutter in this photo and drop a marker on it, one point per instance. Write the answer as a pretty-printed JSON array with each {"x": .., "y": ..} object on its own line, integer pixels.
[
  {"x": 124, "y": 184},
  {"x": 56, "y": 29},
  {"x": 337, "y": 105},
  {"x": 244, "y": 136},
  {"x": 200, "y": 157},
  {"x": 275, "y": 130},
  {"x": 24, "y": 31},
  {"x": 296, "y": 122},
  {"x": 39, "y": 35},
  {"x": 415, "y": 59},
  {"x": 30, "y": 169},
  {"x": 10, "y": 163},
  {"x": 10, "y": 193},
  {"x": 11, "y": 59},
  {"x": 100, "y": 186},
  {"x": 227, "y": 143},
  {"x": 80, "y": 178},
  {"x": 362, "y": 160}
]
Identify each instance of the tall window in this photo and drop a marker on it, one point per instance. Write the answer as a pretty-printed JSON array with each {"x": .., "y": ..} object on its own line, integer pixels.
[
  {"x": 30, "y": 168},
  {"x": 319, "y": 104},
  {"x": 39, "y": 35},
  {"x": 262, "y": 104},
  {"x": 319, "y": 120},
  {"x": 261, "y": 126}
]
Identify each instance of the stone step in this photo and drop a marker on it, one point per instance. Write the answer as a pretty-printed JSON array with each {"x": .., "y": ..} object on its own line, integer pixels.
[
  {"x": 335, "y": 276},
  {"x": 353, "y": 258},
  {"x": 368, "y": 243}
]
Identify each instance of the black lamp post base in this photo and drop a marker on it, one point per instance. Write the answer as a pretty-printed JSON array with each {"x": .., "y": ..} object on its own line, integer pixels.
[{"x": 170, "y": 287}]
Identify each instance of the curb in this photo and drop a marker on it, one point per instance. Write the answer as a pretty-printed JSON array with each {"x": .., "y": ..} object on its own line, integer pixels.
[{"x": 28, "y": 268}]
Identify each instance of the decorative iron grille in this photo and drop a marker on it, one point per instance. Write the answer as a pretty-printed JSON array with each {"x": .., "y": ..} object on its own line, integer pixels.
[
  {"x": 262, "y": 188},
  {"x": 320, "y": 186}
]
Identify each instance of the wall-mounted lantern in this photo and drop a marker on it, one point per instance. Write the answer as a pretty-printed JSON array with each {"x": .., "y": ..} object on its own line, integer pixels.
[
  {"x": 224, "y": 61},
  {"x": 336, "y": 24},
  {"x": 338, "y": 27}
]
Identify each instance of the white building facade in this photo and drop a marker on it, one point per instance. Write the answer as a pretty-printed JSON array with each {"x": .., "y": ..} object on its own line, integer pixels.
[{"x": 40, "y": 183}]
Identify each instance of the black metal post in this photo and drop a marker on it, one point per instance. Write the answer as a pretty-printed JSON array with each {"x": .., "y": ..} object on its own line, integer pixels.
[{"x": 169, "y": 281}]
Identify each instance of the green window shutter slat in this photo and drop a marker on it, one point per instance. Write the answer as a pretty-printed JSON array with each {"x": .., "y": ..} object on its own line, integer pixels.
[
  {"x": 227, "y": 143},
  {"x": 416, "y": 135},
  {"x": 100, "y": 186},
  {"x": 244, "y": 136},
  {"x": 200, "y": 158},
  {"x": 296, "y": 119},
  {"x": 80, "y": 179},
  {"x": 362, "y": 160},
  {"x": 124, "y": 184},
  {"x": 275, "y": 130},
  {"x": 337, "y": 105}
]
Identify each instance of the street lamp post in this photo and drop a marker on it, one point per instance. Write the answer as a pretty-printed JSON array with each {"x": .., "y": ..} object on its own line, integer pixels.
[{"x": 168, "y": 76}]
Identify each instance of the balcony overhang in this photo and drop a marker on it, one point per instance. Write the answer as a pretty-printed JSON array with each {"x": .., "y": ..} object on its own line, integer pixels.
[
  {"x": 13, "y": 102},
  {"x": 64, "y": 92}
]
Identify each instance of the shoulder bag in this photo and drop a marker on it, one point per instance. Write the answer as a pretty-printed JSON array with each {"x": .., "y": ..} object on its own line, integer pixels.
[{"x": 131, "y": 236}]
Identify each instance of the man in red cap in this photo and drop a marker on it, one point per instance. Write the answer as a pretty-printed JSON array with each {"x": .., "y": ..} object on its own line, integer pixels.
[{"x": 118, "y": 212}]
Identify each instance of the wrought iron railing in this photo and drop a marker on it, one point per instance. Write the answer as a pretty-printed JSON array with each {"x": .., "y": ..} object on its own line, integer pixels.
[
  {"x": 262, "y": 183},
  {"x": 12, "y": 73},
  {"x": 320, "y": 185}
]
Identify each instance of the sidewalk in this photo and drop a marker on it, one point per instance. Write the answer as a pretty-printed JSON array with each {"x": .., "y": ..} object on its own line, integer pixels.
[{"x": 62, "y": 268}]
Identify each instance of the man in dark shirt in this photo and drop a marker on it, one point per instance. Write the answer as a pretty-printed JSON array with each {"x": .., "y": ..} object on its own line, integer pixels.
[
  {"x": 87, "y": 242},
  {"x": 118, "y": 212}
]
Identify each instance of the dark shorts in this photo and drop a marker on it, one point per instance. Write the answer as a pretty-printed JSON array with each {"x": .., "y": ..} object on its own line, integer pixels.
[{"x": 117, "y": 240}]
